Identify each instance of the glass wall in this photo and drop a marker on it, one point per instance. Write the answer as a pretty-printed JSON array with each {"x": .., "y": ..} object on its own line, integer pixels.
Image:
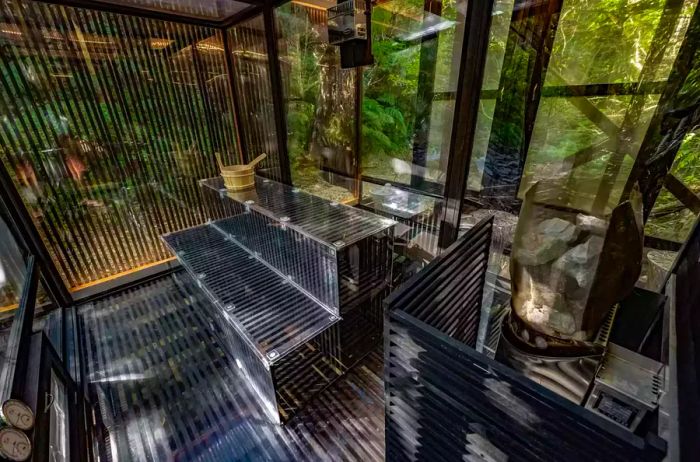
[
  {"x": 12, "y": 271},
  {"x": 672, "y": 218},
  {"x": 107, "y": 123},
  {"x": 590, "y": 99},
  {"x": 409, "y": 93},
  {"x": 253, "y": 90},
  {"x": 319, "y": 103},
  {"x": 568, "y": 97}
]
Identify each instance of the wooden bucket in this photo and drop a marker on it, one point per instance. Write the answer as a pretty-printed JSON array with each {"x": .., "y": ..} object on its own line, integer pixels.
[{"x": 239, "y": 177}]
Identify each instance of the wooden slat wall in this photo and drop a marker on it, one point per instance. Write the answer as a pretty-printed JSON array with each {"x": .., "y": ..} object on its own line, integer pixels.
[{"x": 106, "y": 124}]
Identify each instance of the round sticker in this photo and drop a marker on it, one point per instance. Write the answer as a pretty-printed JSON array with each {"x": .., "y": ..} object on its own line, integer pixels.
[
  {"x": 18, "y": 414},
  {"x": 14, "y": 444}
]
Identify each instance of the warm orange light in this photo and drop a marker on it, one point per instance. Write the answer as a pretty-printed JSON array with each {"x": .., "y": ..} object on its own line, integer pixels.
[
  {"x": 118, "y": 275},
  {"x": 313, "y": 6},
  {"x": 159, "y": 43},
  {"x": 10, "y": 29}
]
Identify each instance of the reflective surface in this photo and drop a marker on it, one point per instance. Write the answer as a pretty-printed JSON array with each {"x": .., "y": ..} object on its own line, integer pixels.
[
  {"x": 408, "y": 97},
  {"x": 12, "y": 271},
  {"x": 59, "y": 438},
  {"x": 571, "y": 95},
  {"x": 330, "y": 223},
  {"x": 269, "y": 312},
  {"x": 167, "y": 390},
  {"x": 107, "y": 124},
  {"x": 319, "y": 103},
  {"x": 253, "y": 92}
]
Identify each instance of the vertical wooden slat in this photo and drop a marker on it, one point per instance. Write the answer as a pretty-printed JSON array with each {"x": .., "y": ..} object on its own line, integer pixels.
[{"x": 143, "y": 119}]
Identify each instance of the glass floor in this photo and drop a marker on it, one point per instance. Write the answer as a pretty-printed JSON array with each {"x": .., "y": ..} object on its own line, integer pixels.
[{"x": 167, "y": 391}]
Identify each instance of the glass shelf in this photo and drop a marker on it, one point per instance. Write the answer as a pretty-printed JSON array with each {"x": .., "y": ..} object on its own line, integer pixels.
[
  {"x": 330, "y": 223},
  {"x": 310, "y": 267},
  {"x": 269, "y": 312}
]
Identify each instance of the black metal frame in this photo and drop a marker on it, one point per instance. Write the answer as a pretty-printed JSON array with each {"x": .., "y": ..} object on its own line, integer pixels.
[
  {"x": 477, "y": 22},
  {"x": 687, "y": 351},
  {"x": 36, "y": 393},
  {"x": 158, "y": 14},
  {"x": 16, "y": 355},
  {"x": 24, "y": 230}
]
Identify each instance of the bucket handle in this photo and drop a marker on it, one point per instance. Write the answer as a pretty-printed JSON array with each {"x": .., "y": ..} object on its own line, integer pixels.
[
  {"x": 218, "y": 161},
  {"x": 257, "y": 160}
]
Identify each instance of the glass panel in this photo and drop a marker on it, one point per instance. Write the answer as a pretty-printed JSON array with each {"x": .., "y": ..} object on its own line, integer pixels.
[
  {"x": 582, "y": 129},
  {"x": 59, "y": 436},
  {"x": 409, "y": 93},
  {"x": 670, "y": 219},
  {"x": 253, "y": 88},
  {"x": 320, "y": 103},
  {"x": 329, "y": 223},
  {"x": 217, "y": 10},
  {"x": 418, "y": 217},
  {"x": 13, "y": 272},
  {"x": 108, "y": 121}
]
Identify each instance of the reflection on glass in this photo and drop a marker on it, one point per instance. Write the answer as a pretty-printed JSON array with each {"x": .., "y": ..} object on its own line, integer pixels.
[
  {"x": 498, "y": 36},
  {"x": 12, "y": 275},
  {"x": 416, "y": 234},
  {"x": 218, "y": 10},
  {"x": 590, "y": 143},
  {"x": 568, "y": 95},
  {"x": 251, "y": 76},
  {"x": 59, "y": 436},
  {"x": 107, "y": 122},
  {"x": 409, "y": 92},
  {"x": 320, "y": 104},
  {"x": 671, "y": 218},
  {"x": 12, "y": 272}
]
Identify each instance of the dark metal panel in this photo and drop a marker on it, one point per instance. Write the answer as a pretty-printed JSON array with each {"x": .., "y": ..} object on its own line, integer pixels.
[
  {"x": 445, "y": 401},
  {"x": 447, "y": 293},
  {"x": 687, "y": 299},
  {"x": 277, "y": 92},
  {"x": 477, "y": 22}
]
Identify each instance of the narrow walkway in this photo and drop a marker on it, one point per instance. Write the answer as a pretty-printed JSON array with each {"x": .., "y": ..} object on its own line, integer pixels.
[{"x": 167, "y": 391}]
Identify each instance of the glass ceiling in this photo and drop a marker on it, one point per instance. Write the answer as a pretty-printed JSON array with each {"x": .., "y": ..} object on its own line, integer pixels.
[{"x": 212, "y": 9}]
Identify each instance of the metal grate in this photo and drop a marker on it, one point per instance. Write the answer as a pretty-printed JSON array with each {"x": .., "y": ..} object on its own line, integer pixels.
[
  {"x": 330, "y": 223},
  {"x": 269, "y": 312}
]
